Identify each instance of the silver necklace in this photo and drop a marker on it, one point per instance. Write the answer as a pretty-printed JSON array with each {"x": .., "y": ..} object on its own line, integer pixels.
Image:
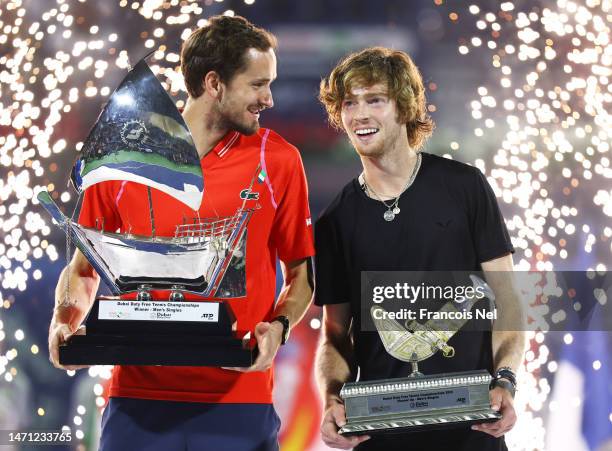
[{"x": 392, "y": 209}]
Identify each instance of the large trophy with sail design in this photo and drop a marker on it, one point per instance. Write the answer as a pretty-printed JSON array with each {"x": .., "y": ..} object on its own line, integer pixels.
[
  {"x": 141, "y": 137},
  {"x": 420, "y": 402}
]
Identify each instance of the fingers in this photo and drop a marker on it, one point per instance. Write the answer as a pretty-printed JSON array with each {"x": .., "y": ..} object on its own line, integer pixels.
[
  {"x": 258, "y": 365},
  {"x": 496, "y": 399},
  {"x": 507, "y": 421},
  {"x": 57, "y": 336},
  {"x": 338, "y": 414},
  {"x": 496, "y": 429},
  {"x": 261, "y": 329},
  {"x": 268, "y": 342},
  {"x": 333, "y": 419},
  {"x": 240, "y": 369},
  {"x": 80, "y": 331},
  {"x": 60, "y": 335},
  {"x": 263, "y": 362}
]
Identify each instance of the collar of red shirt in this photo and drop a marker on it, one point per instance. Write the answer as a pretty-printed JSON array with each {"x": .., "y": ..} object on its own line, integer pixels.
[{"x": 227, "y": 143}]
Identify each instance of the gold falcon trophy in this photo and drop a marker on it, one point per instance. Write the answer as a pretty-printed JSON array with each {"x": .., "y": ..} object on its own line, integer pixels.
[{"x": 419, "y": 402}]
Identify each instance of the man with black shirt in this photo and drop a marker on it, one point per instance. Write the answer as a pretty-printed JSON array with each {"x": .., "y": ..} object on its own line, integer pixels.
[{"x": 407, "y": 211}]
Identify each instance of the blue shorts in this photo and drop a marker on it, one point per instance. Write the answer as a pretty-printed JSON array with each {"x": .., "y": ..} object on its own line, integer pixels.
[{"x": 142, "y": 424}]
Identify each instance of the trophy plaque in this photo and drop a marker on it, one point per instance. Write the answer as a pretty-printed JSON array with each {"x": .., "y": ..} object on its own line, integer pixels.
[
  {"x": 420, "y": 402},
  {"x": 417, "y": 403},
  {"x": 141, "y": 137}
]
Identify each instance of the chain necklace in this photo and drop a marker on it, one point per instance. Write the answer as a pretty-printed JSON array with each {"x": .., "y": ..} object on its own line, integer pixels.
[
  {"x": 66, "y": 300},
  {"x": 392, "y": 209}
]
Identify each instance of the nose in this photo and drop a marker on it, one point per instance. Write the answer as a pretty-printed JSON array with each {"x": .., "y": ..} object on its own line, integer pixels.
[
  {"x": 267, "y": 99},
  {"x": 361, "y": 111}
]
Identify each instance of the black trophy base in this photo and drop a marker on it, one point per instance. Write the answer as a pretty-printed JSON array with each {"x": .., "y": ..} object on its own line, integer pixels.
[
  {"x": 167, "y": 351},
  {"x": 122, "y": 341}
]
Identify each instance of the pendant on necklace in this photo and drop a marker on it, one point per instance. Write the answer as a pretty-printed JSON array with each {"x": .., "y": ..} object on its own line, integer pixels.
[
  {"x": 396, "y": 210},
  {"x": 389, "y": 215}
]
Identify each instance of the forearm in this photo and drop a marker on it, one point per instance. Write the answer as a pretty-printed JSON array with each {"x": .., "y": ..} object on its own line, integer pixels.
[
  {"x": 508, "y": 338},
  {"x": 74, "y": 293},
  {"x": 296, "y": 294},
  {"x": 508, "y": 349},
  {"x": 334, "y": 366}
]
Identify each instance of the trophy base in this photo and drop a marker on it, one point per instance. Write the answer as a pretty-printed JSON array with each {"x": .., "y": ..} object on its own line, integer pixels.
[
  {"x": 417, "y": 403},
  {"x": 424, "y": 423},
  {"x": 130, "y": 332},
  {"x": 167, "y": 351}
]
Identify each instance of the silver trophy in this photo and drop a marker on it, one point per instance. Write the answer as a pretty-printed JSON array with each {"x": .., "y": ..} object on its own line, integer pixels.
[
  {"x": 419, "y": 402},
  {"x": 141, "y": 137}
]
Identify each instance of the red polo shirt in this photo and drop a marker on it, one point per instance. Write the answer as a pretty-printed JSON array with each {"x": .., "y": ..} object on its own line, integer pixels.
[{"x": 280, "y": 227}]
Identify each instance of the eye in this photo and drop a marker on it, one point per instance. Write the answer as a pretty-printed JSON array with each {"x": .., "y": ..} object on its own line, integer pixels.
[
  {"x": 347, "y": 103},
  {"x": 375, "y": 100}
]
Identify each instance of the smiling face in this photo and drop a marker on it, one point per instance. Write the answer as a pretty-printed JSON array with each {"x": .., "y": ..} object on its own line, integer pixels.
[
  {"x": 248, "y": 93},
  {"x": 370, "y": 120}
]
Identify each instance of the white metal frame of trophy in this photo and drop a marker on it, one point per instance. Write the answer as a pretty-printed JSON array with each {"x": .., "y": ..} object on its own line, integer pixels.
[
  {"x": 141, "y": 137},
  {"x": 420, "y": 402}
]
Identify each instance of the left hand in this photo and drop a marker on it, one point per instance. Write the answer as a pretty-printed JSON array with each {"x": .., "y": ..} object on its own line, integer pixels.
[
  {"x": 502, "y": 401},
  {"x": 269, "y": 337}
]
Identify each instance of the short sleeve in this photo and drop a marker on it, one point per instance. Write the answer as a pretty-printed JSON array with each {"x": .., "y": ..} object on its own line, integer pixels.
[
  {"x": 331, "y": 283},
  {"x": 292, "y": 228},
  {"x": 99, "y": 207},
  {"x": 491, "y": 238}
]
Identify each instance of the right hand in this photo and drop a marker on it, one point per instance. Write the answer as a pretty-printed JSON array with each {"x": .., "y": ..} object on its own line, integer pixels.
[
  {"x": 335, "y": 418},
  {"x": 58, "y": 335}
]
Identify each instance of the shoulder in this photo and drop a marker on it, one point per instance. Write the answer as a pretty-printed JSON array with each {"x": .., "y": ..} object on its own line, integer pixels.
[
  {"x": 276, "y": 154},
  {"x": 458, "y": 178},
  {"x": 271, "y": 143},
  {"x": 449, "y": 168},
  {"x": 276, "y": 141},
  {"x": 341, "y": 204}
]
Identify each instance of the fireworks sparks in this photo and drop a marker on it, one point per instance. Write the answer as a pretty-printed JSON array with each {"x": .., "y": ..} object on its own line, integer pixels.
[
  {"x": 549, "y": 99},
  {"x": 545, "y": 106}
]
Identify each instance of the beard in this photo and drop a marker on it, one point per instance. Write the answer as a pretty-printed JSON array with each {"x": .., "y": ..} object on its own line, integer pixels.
[
  {"x": 368, "y": 151},
  {"x": 230, "y": 122},
  {"x": 382, "y": 146},
  {"x": 230, "y": 119}
]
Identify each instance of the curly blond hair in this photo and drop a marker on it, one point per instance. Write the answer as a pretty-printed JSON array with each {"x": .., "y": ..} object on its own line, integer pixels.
[{"x": 381, "y": 65}]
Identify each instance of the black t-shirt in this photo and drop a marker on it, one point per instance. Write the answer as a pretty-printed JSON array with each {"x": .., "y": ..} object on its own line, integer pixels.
[{"x": 449, "y": 221}]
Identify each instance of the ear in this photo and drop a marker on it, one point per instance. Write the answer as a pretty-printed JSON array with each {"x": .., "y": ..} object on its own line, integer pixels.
[{"x": 212, "y": 84}]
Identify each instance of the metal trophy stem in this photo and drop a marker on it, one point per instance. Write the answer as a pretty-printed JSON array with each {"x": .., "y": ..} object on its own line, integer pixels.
[
  {"x": 414, "y": 364},
  {"x": 415, "y": 370}
]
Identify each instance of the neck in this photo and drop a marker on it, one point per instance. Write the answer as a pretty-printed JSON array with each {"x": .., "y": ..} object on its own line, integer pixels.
[
  {"x": 200, "y": 119},
  {"x": 387, "y": 174}
]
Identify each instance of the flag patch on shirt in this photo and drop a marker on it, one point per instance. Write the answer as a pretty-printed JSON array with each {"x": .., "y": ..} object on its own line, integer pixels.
[{"x": 262, "y": 176}]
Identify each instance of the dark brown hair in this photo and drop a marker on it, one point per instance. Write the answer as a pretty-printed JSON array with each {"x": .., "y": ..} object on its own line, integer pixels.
[
  {"x": 220, "y": 46},
  {"x": 381, "y": 65}
]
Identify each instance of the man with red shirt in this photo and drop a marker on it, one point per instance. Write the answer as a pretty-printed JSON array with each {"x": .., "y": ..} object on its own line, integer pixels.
[{"x": 228, "y": 67}]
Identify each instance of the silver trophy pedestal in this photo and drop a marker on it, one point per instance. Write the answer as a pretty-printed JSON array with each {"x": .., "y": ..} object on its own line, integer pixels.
[{"x": 417, "y": 403}]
